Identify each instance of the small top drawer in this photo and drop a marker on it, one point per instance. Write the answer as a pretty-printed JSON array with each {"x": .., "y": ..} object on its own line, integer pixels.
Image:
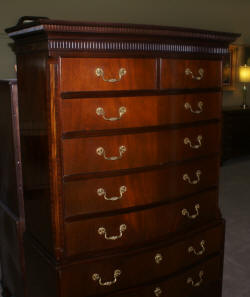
[
  {"x": 107, "y": 74},
  {"x": 185, "y": 74}
]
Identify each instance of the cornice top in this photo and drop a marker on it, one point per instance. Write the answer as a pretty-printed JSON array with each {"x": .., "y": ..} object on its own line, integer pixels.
[{"x": 36, "y": 25}]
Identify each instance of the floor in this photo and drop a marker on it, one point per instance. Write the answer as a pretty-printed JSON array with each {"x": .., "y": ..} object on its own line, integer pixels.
[{"x": 235, "y": 206}]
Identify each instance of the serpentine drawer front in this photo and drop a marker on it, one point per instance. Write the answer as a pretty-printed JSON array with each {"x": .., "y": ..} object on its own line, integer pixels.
[
  {"x": 98, "y": 195},
  {"x": 105, "y": 153},
  {"x": 137, "y": 268},
  {"x": 120, "y": 142},
  {"x": 134, "y": 228},
  {"x": 87, "y": 114},
  {"x": 107, "y": 74},
  {"x": 198, "y": 281},
  {"x": 12, "y": 220}
]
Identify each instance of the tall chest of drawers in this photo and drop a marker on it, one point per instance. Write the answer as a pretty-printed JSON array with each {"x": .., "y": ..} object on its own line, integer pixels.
[{"x": 120, "y": 141}]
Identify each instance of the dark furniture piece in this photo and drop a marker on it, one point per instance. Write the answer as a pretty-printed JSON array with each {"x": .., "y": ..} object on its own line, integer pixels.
[
  {"x": 120, "y": 139},
  {"x": 235, "y": 132},
  {"x": 12, "y": 222}
]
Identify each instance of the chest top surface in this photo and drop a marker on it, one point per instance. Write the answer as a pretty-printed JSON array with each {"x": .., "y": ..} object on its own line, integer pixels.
[{"x": 57, "y": 37}]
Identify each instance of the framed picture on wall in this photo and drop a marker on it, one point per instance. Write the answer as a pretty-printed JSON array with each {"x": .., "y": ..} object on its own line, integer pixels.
[{"x": 229, "y": 69}]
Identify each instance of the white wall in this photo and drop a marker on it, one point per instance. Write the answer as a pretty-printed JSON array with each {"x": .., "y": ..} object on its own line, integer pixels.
[{"x": 219, "y": 15}]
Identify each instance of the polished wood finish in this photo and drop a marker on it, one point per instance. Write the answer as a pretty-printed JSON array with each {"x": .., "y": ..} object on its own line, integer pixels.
[
  {"x": 61, "y": 132},
  {"x": 143, "y": 188},
  {"x": 144, "y": 149},
  {"x": 179, "y": 286},
  {"x": 12, "y": 221},
  {"x": 235, "y": 133},
  {"x": 141, "y": 226},
  {"x": 137, "y": 268},
  {"x": 80, "y": 74},
  {"x": 80, "y": 114},
  {"x": 35, "y": 138},
  {"x": 11, "y": 173},
  {"x": 44, "y": 276},
  {"x": 171, "y": 68}
]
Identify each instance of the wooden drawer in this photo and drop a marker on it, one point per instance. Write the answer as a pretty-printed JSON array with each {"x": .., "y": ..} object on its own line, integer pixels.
[
  {"x": 78, "y": 74},
  {"x": 143, "y": 265},
  {"x": 185, "y": 74},
  {"x": 98, "y": 195},
  {"x": 129, "y": 112},
  {"x": 201, "y": 280},
  {"x": 130, "y": 229},
  {"x": 82, "y": 155}
]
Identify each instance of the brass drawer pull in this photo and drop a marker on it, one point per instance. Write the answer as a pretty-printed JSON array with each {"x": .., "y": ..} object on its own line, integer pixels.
[
  {"x": 197, "y": 284},
  {"x": 185, "y": 212},
  {"x": 102, "y": 192},
  {"x": 100, "y": 112},
  {"x": 102, "y": 231},
  {"x": 158, "y": 258},
  {"x": 191, "y": 249},
  {"x": 187, "y": 141},
  {"x": 200, "y": 71},
  {"x": 101, "y": 152},
  {"x": 158, "y": 292},
  {"x": 96, "y": 277},
  {"x": 186, "y": 178},
  {"x": 100, "y": 73},
  {"x": 200, "y": 106}
]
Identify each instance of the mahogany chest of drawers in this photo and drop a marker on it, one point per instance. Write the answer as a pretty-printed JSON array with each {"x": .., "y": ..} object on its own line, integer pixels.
[{"x": 120, "y": 142}]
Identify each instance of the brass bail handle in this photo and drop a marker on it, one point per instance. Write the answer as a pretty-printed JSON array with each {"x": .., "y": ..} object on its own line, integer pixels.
[
  {"x": 187, "y": 141},
  {"x": 197, "y": 284},
  {"x": 186, "y": 213},
  {"x": 96, "y": 277},
  {"x": 191, "y": 249},
  {"x": 158, "y": 291},
  {"x": 201, "y": 71},
  {"x": 102, "y": 231},
  {"x": 101, "y": 152},
  {"x": 197, "y": 111},
  {"x": 100, "y": 112},
  {"x": 186, "y": 178},
  {"x": 100, "y": 73},
  {"x": 102, "y": 192}
]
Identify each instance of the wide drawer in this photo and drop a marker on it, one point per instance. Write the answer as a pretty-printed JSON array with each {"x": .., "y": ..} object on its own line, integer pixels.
[
  {"x": 140, "y": 266},
  {"x": 105, "y": 74},
  {"x": 131, "y": 229},
  {"x": 97, "y": 195},
  {"x": 105, "y": 153},
  {"x": 202, "y": 280},
  {"x": 185, "y": 74},
  {"x": 130, "y": 112}
]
